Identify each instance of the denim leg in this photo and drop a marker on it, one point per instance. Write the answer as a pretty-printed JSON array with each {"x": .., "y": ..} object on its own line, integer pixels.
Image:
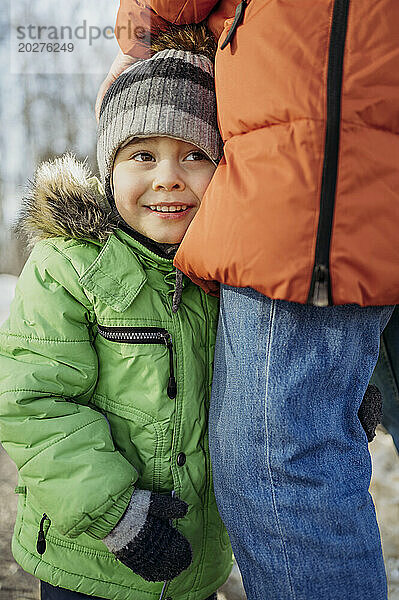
[
  {"x": 290, "y": 458},
  {"x": 386, "y": 376}
]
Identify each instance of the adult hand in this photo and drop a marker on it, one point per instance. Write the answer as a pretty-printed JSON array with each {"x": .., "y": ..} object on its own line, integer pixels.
[{"x": 121, "y": 62}]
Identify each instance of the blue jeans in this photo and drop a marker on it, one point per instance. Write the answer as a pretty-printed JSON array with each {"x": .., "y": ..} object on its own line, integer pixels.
[
  {"x": 290, "y": 458},
  {"x": 386, "y": 376}
]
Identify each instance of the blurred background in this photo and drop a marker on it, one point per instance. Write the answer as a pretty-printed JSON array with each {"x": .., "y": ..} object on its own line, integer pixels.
[{"x": 47, "y": 96}]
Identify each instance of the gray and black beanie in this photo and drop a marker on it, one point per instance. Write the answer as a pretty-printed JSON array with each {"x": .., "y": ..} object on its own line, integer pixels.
[{"x": 170, "y": 94}]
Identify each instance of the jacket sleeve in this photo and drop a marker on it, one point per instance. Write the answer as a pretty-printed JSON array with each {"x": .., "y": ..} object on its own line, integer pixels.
[
  {"x": 137, "y": 19},
  {"x": 62, "y": 447}
]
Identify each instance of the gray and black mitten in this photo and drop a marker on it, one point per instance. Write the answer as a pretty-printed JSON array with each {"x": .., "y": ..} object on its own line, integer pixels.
[
  {"x": 370, "y": 411},
  {"x": 145, "y": 540}
]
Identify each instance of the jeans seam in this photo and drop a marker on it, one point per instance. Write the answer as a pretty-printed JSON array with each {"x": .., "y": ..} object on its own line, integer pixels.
[{"x": 279, "y": 528}]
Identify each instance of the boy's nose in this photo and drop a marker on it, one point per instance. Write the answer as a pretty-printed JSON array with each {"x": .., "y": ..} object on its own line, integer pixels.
[
  {"x": 168, "y": 185},
  {"x": 167, "y": 179}
]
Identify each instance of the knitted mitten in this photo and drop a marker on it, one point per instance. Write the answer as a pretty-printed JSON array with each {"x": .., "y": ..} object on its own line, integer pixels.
[
  {"x": 370, "y": 411},
  {"x": 144, "y": 539}
]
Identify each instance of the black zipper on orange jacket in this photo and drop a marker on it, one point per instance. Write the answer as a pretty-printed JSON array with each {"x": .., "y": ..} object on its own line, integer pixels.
[
  {"x": 320, "y": 287},
  {"x": 238, "y": 17}
]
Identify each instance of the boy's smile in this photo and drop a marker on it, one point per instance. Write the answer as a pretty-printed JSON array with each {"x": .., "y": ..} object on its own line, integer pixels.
[
  {"x": 158, "y": 184},
  {"x": 167, "y": 210}
]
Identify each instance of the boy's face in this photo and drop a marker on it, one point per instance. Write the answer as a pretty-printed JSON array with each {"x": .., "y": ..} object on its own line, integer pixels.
[{"x": 158, "y": 184}]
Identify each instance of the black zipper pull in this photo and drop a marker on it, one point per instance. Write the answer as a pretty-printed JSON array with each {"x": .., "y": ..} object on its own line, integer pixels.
[
  {"x": 238, "y": 17},
  {"x": 41, "y": 540},
  {"x": 172, "y": 385}
]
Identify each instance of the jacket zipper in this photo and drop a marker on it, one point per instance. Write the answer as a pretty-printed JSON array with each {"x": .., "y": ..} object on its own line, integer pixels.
[
  {"x": 320, "y": 287},
  {"x": 238, "y": 17},
  {"x": 41, "y": 540},
  {"x": 144, "y": 335}
]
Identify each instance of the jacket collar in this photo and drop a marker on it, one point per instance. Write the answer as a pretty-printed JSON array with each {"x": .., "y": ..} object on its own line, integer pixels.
[
  {"x": 118, "y": 273},
  {"x": 115, "y": 276},
  {"x": 148, "y": 255}
]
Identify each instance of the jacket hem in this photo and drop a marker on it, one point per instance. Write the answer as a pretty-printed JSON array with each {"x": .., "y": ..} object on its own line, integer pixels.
[{"x": 95, "y": 587}]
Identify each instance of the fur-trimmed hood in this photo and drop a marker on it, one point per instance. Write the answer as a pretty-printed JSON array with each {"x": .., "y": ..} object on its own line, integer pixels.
[{"x": 64, "y": 199}]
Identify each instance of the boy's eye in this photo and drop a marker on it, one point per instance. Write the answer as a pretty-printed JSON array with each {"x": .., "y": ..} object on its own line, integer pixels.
[
  {"x": 199, "y": 155},
  {"x": 143, "y": 154}
]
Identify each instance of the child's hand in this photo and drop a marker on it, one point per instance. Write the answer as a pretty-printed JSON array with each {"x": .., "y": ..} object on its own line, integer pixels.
[{"x": 145, "y": 541}]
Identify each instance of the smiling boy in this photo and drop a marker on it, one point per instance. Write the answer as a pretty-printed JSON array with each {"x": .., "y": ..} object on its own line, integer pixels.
[
  {"x": 106, "y": 359},
  {"x": 158, "y": 184}
]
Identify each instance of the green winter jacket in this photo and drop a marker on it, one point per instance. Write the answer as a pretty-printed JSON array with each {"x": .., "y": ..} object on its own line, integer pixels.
[{"x": 85, "y": 406}]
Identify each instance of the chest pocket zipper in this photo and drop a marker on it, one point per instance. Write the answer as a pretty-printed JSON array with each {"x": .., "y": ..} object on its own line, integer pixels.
[{"x": 144, "y": 335}]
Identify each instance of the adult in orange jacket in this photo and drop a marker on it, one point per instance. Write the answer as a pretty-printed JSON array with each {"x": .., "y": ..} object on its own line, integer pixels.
[{"x": 298, "y": 228}]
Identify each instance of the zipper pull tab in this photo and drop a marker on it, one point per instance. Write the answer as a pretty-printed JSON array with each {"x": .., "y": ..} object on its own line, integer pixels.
[
  {"x": 320, "y": 295},
  {"x": 41, "y": 540},
  {"x": 238, "y": 17},
  {"x": 172, "y": 388},
  {"x": 172, "y": 385}
]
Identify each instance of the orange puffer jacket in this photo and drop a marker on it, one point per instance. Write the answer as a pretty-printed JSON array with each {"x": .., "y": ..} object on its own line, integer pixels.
[{"x": 304, "y": 205}]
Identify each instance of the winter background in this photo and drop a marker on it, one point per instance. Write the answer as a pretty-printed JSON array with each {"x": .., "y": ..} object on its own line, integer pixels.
[{"x": 47, "y": 107}]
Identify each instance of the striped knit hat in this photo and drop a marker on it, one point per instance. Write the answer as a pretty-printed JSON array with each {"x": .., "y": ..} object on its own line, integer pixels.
[{"x": 170, "y": 94}]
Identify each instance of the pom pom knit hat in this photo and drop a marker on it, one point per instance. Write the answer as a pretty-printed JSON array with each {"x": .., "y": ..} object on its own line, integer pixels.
[{"x": 170, "y": 94}]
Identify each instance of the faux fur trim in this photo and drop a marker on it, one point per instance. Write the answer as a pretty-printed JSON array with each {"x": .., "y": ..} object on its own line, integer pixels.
[
  {"x": 195, "y": 38},
  {"x": 64, "y": 201}
]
